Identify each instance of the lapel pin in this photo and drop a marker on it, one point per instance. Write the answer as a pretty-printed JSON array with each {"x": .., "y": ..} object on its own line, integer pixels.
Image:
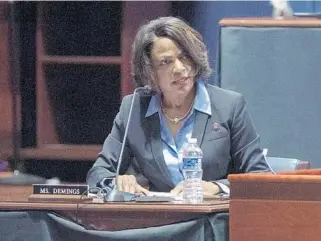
[{"x": 216, "y": 127}]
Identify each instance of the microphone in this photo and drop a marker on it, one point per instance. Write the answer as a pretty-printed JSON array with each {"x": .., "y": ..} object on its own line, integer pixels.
[
  {"x": 265, "y": 151},
  {"x": 115, "y": 195}
]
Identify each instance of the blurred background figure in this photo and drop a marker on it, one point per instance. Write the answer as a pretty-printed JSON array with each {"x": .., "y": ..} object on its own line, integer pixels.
[{"x": 281, "y": 9}]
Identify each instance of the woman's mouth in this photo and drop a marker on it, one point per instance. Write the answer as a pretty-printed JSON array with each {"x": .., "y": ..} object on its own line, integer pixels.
[{"x": 181, "y": 81}]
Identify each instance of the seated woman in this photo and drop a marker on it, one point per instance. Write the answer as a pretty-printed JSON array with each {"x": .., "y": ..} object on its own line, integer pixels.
[{"x": 170, "y": 57}]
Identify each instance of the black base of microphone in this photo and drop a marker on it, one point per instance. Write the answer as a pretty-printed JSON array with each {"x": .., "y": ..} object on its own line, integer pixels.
[{"x": 118, "y": 196}]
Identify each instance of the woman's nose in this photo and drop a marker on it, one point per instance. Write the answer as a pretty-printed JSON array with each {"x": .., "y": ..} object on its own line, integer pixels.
[{"x": 179, "y": 67}]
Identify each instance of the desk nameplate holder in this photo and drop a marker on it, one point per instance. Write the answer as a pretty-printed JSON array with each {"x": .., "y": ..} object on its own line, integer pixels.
[{"x": 59, "y": 193}]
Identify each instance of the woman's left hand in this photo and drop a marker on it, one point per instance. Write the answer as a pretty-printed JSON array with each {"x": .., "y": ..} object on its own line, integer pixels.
[{"x": 209, "y": 188}]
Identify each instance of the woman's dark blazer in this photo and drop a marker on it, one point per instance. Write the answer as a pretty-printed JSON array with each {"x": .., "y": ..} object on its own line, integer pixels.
[{"x": 227, "y": 138}]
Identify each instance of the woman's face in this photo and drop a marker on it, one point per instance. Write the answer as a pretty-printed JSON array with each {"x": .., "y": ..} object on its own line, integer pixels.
[{"x": 174, "y": 70}]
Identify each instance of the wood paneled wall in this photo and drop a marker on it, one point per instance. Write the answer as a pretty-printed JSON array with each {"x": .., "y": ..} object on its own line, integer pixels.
[{"x": 6, "y": 104}]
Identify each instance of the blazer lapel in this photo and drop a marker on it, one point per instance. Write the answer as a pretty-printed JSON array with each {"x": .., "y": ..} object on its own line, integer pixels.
[
  {"x": 156, "y": 144},
  {"x": 199, "y": 126}
]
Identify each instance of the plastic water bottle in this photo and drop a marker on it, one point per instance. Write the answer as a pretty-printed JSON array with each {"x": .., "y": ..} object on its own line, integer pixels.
[{"x": 192, "y": 170}]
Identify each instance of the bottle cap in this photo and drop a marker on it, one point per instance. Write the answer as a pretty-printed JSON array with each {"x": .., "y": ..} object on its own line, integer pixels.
[{"x": 192, "y": 140}]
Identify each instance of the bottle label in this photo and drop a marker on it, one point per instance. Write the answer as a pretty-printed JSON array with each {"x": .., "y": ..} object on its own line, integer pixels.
[{"x": 191, "y": 163}]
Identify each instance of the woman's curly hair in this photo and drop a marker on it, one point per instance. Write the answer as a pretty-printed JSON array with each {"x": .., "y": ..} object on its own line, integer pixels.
[{"x": 182, "y": 34}]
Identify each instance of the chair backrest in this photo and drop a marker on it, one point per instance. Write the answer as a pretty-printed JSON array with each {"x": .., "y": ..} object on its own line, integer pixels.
[{"x": 279, "y": 164}]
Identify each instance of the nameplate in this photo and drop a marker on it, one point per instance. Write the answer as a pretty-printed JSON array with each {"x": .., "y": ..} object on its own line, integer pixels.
[{"x": 61, "y": 189}]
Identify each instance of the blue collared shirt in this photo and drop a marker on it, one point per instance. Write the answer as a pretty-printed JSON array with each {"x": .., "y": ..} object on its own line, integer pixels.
[{"x": 171, "y": 146}]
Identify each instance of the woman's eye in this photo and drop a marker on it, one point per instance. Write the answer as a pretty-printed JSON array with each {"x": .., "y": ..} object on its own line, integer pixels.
[{"x": 165, "y": 62}]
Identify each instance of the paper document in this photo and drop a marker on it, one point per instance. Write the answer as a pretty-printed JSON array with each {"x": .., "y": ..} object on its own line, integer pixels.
[
  {"x": 165, "y": 194},
  {"x": 161, "y": 194}
]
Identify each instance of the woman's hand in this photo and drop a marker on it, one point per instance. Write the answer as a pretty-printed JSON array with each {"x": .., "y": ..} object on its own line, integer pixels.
[
  {"x": 128, "y": 183},
  {"x": 209, "y": 188}
]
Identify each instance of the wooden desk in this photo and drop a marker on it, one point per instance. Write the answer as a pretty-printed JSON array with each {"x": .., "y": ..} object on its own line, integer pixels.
[
  {"x": 271, "y": 22},
  {"x": 111, "y": 216},
  {"x": 269, "y": 207}
]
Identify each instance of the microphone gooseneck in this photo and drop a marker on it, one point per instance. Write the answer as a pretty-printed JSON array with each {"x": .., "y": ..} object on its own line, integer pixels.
[
  {"x": 269, "y": 166},
  {"x": 115, "y": 195},
  {"x": 265, "y": 151}
]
